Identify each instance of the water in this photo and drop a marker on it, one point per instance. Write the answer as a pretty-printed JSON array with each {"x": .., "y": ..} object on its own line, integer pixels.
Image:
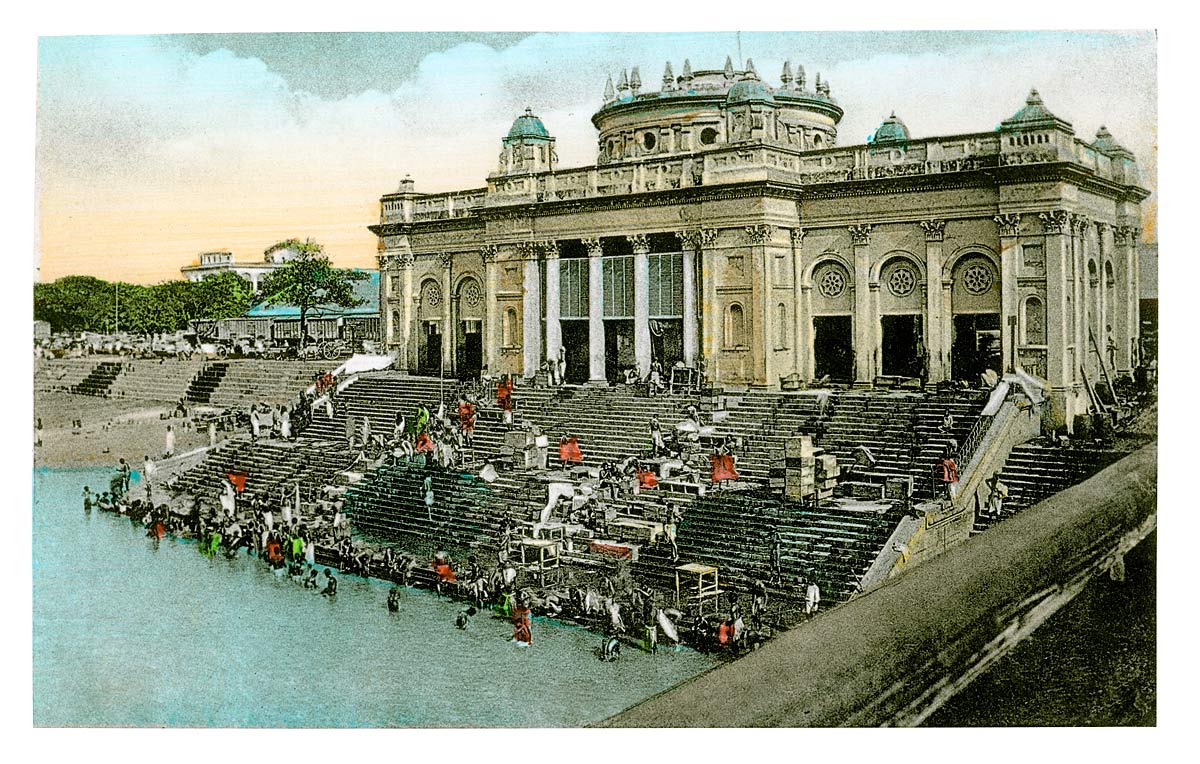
[{"x": 132, "y": 632}]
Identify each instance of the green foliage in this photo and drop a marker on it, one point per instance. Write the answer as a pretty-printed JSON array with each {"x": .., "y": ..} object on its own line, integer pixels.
[
  {"x": 85, "y": 303},
  {"x": 311, "y": 281}
]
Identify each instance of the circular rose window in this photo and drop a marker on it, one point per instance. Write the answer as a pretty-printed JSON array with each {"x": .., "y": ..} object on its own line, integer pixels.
[
  {"x": 902, "y": 281},
  {"x": 977, "y": 279},
  {"x": 831, "y": 283}
]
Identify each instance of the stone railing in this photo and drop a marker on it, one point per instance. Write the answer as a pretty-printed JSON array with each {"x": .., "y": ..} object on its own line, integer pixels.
[{"x": 933, "y": 156}]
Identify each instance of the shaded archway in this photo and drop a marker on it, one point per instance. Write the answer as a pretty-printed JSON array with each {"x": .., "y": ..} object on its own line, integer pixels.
[
  {"x": 975, "y": 344},
  {"x": 470, "y": 315},
  {"x": 430, "y": 332}
]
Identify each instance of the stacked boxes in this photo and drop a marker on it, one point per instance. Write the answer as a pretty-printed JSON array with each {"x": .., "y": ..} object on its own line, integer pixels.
[{"x": 807, "y": 470}]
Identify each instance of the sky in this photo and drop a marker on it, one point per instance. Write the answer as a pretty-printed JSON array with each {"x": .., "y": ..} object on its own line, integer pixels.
[{"x": 152, "y": 149}]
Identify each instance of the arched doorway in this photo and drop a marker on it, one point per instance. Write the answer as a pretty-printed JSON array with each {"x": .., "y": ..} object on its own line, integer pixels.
[
  {"x": 468, "y": 349},
  {"x": 429, "y": 336},
  {"x": 833, "y": 326},
  {"x": 975, "y": 344},
  {"x": 902, "y": 318}
]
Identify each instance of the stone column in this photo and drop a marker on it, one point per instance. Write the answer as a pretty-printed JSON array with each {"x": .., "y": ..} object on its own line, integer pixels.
[
  {"x": 531, "y": 334},
  {"x": 449, "y": 330},
  {"x": 1009, "y": 228},
  {"x": 1058, "y": 252},
  {"x": 1083, "y": 345},
  {"x": 938, "y": 361},
  {"x": 689, "y": 242},
  {"x": 800, "y": 308},
  {"x": 553, "y": 302},
  {"x": 595, "y": 312},
  {"x": 759, "y": 237},
  {"x": 491, "y": 342},
  {"x": 864, "y": 317},
  {"x": 641, "y": 301},
  {"x": 1126, "y": 328},
  {"x": 1103, "y": 319},
  {"x": 407, "y": 261}
]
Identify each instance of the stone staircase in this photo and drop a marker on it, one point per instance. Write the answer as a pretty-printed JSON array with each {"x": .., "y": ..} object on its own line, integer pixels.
[
  {"x": 1037, "y": 471},
  {"x": 201, "y": 388},
  {"x": 61, "y": 374},
  {"x": 165, "y": 380},
  {"x": 98, "y": 380},
  {"x": 247, "y": 380},
  {"x": 272, "y": 467}
]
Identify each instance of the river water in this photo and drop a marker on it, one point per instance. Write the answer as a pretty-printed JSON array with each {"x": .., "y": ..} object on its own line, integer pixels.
[{"x": 132, "y": 632}]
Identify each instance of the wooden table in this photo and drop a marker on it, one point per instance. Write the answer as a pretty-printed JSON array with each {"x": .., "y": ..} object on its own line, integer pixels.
[
  {"x": 705, "y": 588},
  {"x": 545, "y": 554}
]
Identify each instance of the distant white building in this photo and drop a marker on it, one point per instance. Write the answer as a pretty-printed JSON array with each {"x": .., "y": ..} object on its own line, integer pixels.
[{"x": 221, "y": 261}]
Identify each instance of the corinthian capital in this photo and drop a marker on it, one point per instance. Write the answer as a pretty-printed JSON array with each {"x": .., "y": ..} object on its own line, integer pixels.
[
  {"x": 594, "y": 247},
  {"x": 861, "y": 234},
  {"x": 935, "y": 230},
  {"x": 760, "y": 234},
  {"x": 1054, "y": 221},
  {"x": 488, "y": 252},
  {"x": 1009, "y": 224},
  {"x": 527, "y": 250},
  {"x": 639, "y": 241}
]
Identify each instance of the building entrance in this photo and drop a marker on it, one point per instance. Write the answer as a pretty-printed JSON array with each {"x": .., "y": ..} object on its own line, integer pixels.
[
  {"x": 618, "y": 349},
  {"x": 903, "y": 346},
  {"x": 469, "y": 358},
  {"x": 833, "y": 348},
  {"x": 429, "y": 355},
  {"x": 666, "y": 341},
  {"x": 976, "y": 346},
  {"x": 575, "y": 342}
]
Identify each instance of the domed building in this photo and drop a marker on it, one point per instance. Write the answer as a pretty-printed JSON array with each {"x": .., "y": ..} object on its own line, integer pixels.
[{"x": 722, "y": 227}]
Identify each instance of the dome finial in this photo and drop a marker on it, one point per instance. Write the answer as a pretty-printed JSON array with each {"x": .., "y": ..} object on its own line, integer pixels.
[
  {"x": 686, "y": 76},
  {"x": 668, "y": 82},
  {"x": 750, "y": 69},
  {"x": 609, "y": 92},
  {"x": 799, "y": 77},
  {"x": 635, "y": 80},
  {"x": 623, "y": 83},
  {"x": 786, "y": 77},
  {"x": 728, "y": 68}
]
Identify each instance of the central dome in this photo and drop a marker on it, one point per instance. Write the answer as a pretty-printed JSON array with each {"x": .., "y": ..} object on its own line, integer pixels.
[{"x": 749, "y": 90}]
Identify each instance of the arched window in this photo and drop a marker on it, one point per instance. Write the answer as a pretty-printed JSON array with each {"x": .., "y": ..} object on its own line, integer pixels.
[
  {"x": 1035, "y": 321},
  {"x": 395, "y": 328},
  {"x": 1110, "y": 280},
  {"x": 781, "y": 327},
  {"x": 735, "y": 326},
  {"x": 510, "y": 327},
  {"x": 1093, "y": 273}
]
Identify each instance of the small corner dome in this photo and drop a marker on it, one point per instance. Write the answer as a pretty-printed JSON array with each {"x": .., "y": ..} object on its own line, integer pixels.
[
  {"x": 1034, "y": 114},
  {"x": 528, "y": 125},
  {"x": 749, "y": 89},
  {"x": 892, "y": 130},
  {"x": 1106, "y": 143}
]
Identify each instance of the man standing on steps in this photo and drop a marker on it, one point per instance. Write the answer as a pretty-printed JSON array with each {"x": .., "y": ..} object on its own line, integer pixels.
[{"x": 170, "y": 445}]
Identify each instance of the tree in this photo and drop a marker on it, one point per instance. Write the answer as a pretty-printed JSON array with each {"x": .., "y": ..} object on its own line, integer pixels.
[
  {"x": 222, "y": 295},
  {"x": 310, "y": 281},
  {"x": 74, "y": 303}
]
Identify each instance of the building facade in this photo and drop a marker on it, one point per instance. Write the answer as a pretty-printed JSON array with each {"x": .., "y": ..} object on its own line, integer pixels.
[
  {"x": 221, "y": 261},
  {"x": 723, "y": 226}
]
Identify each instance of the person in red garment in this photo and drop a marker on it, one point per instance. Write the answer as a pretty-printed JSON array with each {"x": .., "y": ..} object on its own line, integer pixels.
[
  {"x": 568, "y": 450},
  {"x": 947, "y": 472},
  {"x": 522, "y": 633},
  {"x": 466, "y": 419}
]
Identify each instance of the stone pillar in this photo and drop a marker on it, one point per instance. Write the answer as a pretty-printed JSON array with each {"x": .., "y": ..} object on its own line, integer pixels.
[
  {"x": 641, "y": 302},
  {"x": 800, "y": 308},
  {"x": 1058, "y": 363},
  {"x": 531, "y": 333},
  {"x": 1079, "y": 224},
  {"x": 760, "y": 237},
  {"x": 553, "y": 301},
  {"x": 864, "y": 317},
  {"x": 407, "y": 358},
  {"x": 1009, "y": 228},
  {"x": 595, "y": 312},
  {"x": 449, "y": 330},
  {"x": 491, "y": 341},
  {"x": 689, "y": 242},
  {"x": 1103, "y": 318},
  {"x": 1126, "y": 328},
  {"x": 935, "y": 316}
]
